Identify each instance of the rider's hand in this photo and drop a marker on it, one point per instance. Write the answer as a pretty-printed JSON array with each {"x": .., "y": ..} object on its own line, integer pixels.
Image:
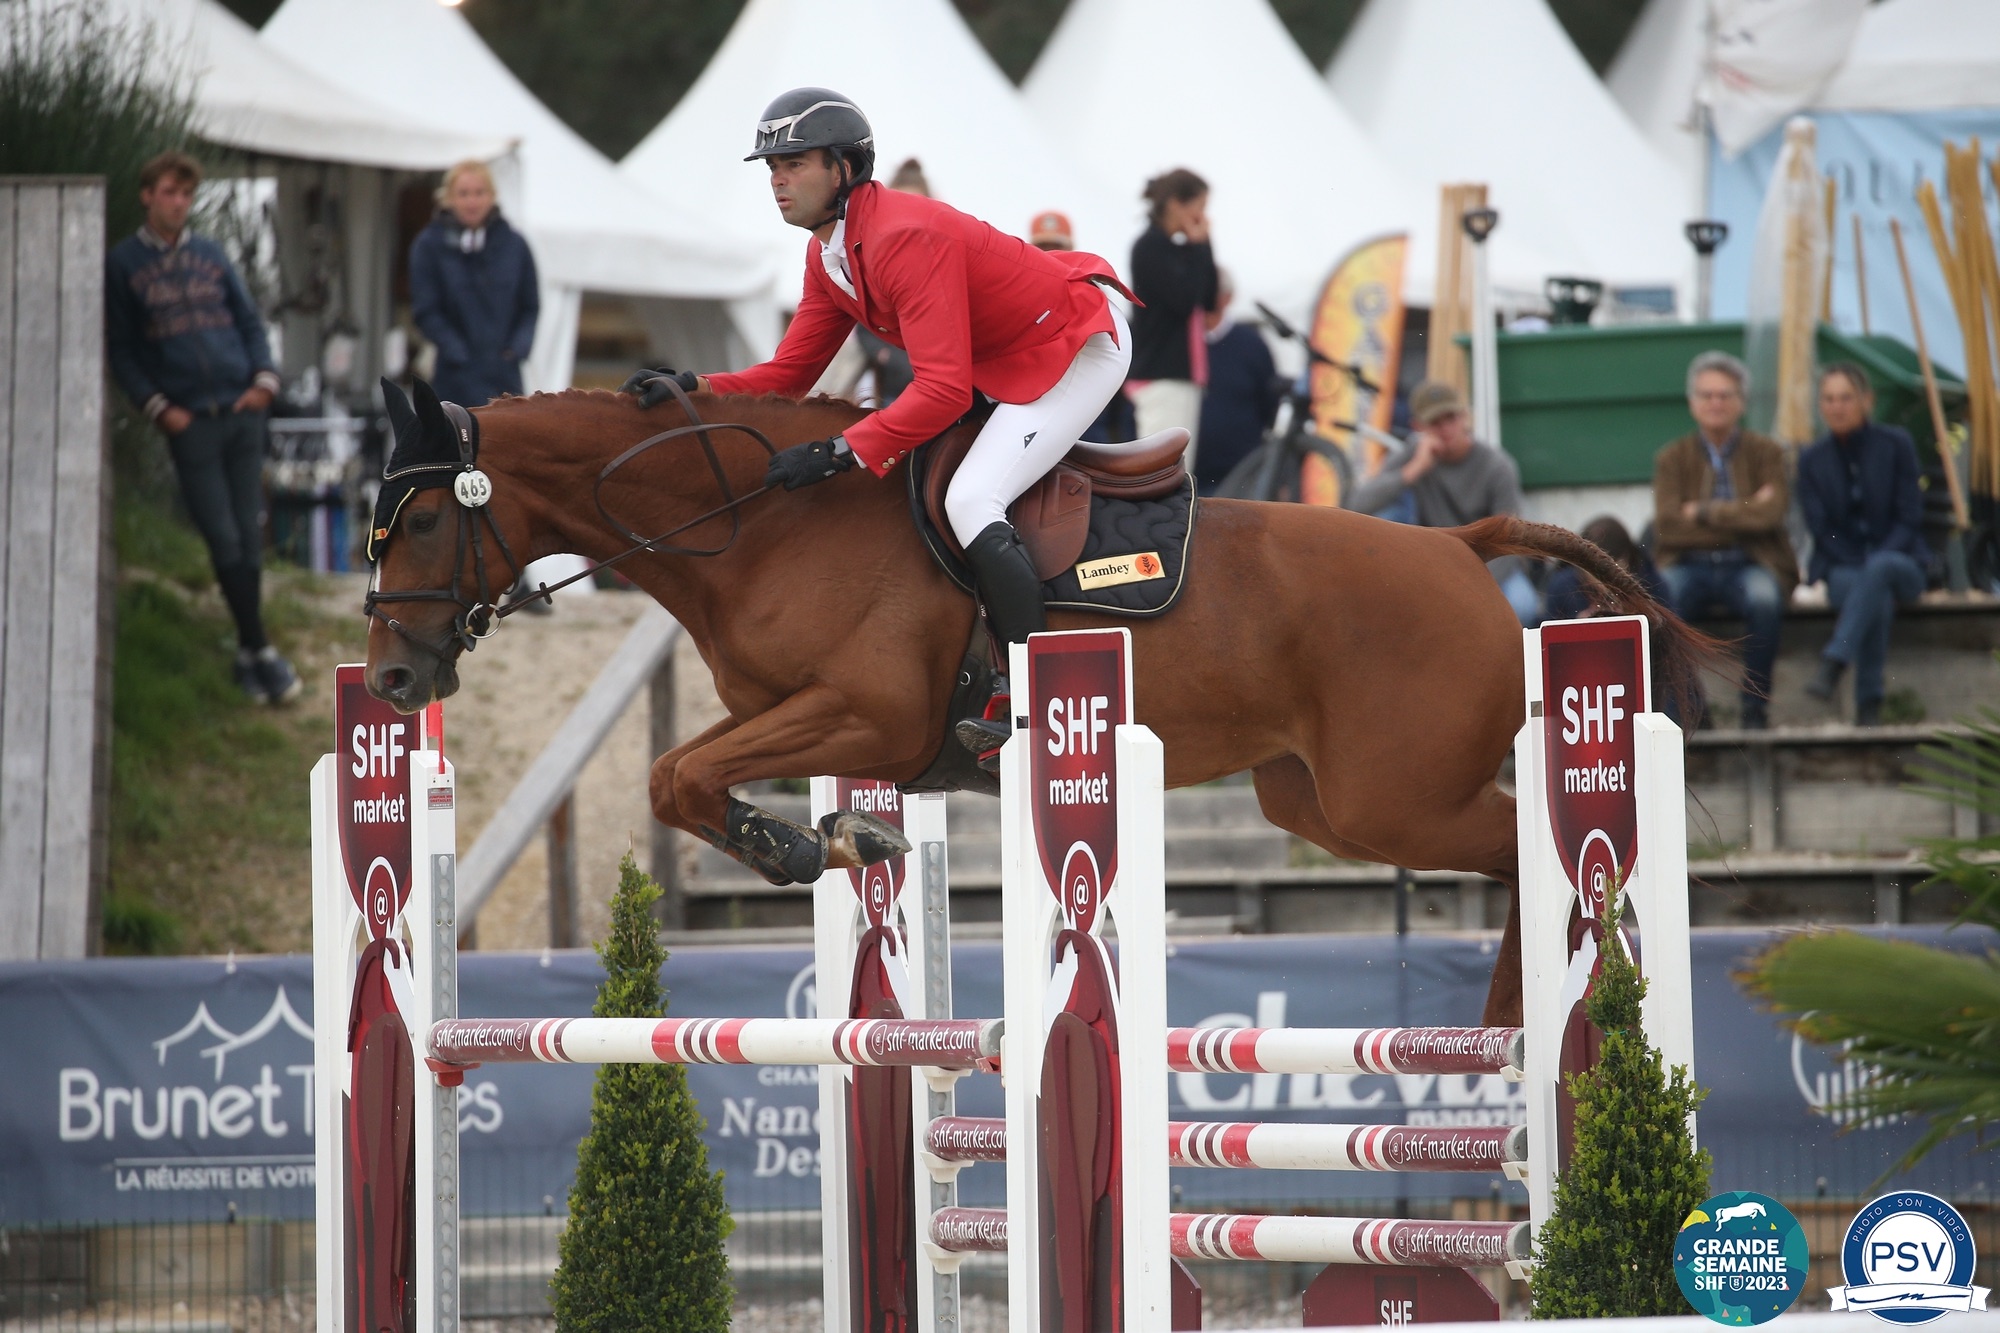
[
  {"x": 804, "y": 464},
  {"x": 650, "y": 384},
  {"x": 255, "y": 399},
  {"x": 174, "y": 420}
]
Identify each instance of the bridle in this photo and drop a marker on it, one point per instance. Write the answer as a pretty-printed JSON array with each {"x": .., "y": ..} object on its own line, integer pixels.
[{"x": 472, "y": 490}]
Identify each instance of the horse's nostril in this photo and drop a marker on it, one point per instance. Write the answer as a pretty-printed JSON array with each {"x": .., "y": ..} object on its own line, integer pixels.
[{"x": 397, "y": 679}]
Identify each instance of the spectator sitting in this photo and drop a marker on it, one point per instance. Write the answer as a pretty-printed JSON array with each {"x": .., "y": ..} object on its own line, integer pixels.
[
  {"x": 1719, "y": 500},
  {"x": 1567, "y": 597},
  {"x": 1858, "y": 490},
  {"x": 189, "y": 350},
  {"x": 1453, "y": 480},
  {"x": 1173, "y": 277},
  {"x": 473, "y": 291},
  {"x": 1241, "y": 398},
  {"x": 1050, "y": 230}
]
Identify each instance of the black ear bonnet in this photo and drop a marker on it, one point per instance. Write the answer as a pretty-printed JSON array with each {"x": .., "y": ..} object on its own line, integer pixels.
[{"x": 436, "y": 443}]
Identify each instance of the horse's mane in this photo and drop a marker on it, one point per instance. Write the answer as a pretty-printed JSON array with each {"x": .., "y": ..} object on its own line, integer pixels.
[{"x": 722, "y": 402}]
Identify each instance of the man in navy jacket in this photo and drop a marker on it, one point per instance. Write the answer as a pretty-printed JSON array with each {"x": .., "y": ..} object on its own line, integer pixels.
[
  {"x": 1858, "y": 490},
  {"x": 473, "y": 291},
  {"x": 188, "y": 348}
]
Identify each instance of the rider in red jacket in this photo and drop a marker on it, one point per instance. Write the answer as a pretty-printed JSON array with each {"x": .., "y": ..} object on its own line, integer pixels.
[{"x": 974, "y": 307}]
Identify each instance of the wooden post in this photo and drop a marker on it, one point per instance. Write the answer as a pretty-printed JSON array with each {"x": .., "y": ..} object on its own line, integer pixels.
[
  {"x": 53, "y": 474},
  {"x": 562, "y": 874},
  {"x": 666, "y": 851},
  {"x": 1451, "y": 301},
  {"x": 1947, "y": 454},
  {"x": 1860, "y": 273}
]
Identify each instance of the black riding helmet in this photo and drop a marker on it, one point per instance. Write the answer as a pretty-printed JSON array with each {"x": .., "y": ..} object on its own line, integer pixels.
[{"x": 808, "y": 118}]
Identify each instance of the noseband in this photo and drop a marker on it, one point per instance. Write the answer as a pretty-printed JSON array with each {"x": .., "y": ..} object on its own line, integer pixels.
[{"x": 472, "y": 490}]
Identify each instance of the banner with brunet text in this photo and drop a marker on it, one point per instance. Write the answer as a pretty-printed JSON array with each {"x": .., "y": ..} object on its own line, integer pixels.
[{"x": 152, "y": 1090}]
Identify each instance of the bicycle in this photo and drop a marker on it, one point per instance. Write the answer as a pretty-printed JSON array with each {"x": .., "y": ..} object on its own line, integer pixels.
[{"x": 1271, "y": 471}]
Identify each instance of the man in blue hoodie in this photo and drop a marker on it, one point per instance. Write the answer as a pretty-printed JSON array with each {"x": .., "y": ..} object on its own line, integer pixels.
[{"x": 188, "y": 348}]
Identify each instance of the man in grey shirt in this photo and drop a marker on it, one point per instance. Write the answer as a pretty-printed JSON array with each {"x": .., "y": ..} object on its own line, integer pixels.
[{"x": 1447, "y": 479}]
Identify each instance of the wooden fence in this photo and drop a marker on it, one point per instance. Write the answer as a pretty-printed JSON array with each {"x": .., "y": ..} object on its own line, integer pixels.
[{"x": 54, "y": 533}]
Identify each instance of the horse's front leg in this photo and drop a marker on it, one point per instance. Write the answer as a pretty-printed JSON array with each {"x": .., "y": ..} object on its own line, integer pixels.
[{"x": 814, "y": 731}]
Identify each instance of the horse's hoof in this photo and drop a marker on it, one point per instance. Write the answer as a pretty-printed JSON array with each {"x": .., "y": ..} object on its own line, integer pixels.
[{"x": 861, "y": 838}]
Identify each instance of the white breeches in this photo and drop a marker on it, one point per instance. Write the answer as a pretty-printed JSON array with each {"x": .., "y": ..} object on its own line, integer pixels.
[{"x": 1022, "y": 442}]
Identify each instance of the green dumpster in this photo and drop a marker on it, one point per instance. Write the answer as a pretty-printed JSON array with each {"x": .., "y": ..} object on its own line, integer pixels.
[{"x": 1591, "y": 406}]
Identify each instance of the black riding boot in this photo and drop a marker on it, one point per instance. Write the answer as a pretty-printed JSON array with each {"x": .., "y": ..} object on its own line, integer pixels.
[{"x": 1012, "y": 596}]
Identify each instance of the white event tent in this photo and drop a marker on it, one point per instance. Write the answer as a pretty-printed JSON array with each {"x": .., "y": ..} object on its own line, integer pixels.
[
  {"x": 929, "y": 90},
  {"x": 1917, "y": 75},
  {"x": 1654, "y": 77},
  {"x": 250, "y": 97},
  {"x": 1920, "y": 55},
  {"x": 1496, "y": 92},
  {"x": 591, "y": 229},
  {"x": 1137, "y": 87}
]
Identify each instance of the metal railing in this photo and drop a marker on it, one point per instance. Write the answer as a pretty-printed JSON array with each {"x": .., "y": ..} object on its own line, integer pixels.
[{"x": 544, "y": 799}]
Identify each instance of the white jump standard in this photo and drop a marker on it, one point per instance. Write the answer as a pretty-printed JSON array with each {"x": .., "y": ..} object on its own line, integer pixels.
[{"x": 1089, "y": 1237}]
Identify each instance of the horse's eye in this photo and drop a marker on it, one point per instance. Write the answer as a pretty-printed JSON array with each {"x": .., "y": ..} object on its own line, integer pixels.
[{"x": 423, "y": 522}]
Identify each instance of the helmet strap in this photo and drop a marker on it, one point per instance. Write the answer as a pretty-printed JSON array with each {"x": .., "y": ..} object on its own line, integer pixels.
[
  {"x": 846, "y": 185},
  {"x": 839, "y": 195}
]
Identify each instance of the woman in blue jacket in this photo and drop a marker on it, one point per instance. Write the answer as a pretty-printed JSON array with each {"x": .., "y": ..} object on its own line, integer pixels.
[{"x": 473, "y": 291}]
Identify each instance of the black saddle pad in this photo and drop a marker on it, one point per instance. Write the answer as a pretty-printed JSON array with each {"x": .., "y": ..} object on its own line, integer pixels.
[{"x": 1134, "y": 560}]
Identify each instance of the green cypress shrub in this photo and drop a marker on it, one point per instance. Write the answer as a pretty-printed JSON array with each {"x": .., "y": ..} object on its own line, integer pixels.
[
  {"x": 1607, "y": 1248},
  {"x": 643, "y": 1249}
]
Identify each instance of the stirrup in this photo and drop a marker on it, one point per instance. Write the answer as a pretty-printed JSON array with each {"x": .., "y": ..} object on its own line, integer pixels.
[
  {"x": 985, "y": 734},
  {"x": 984, "y": 737}
]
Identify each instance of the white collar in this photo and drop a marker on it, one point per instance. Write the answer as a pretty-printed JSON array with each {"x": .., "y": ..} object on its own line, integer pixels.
[{"x": 833, "y": 258}]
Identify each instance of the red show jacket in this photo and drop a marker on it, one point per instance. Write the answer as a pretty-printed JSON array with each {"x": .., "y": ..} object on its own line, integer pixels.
[{"x": 973, "y": 306}]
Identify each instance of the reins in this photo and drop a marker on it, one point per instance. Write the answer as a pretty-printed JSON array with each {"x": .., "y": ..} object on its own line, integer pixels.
[{"x": 472, "y": 490}]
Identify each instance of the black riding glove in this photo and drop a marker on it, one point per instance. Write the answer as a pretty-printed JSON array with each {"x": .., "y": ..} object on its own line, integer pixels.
[
  {"x": 804, "y": 464},
  {"x": 650, "y": 384}
]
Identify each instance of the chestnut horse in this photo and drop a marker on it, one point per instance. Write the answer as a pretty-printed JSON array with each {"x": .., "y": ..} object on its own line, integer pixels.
[{"x": 1367, "y": 674}]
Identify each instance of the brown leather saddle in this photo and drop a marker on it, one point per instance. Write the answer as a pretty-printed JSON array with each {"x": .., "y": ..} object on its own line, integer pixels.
[{"x": 1053, "y": 515}]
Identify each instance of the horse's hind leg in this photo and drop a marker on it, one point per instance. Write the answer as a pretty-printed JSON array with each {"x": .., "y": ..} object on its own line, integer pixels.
[
  {"x": 1287, "y": 796},
  {"x": 1479, "y": 838}
]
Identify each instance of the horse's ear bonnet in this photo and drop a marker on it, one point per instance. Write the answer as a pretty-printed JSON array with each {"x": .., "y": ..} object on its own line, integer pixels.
[{"x": 428, "y": 454}]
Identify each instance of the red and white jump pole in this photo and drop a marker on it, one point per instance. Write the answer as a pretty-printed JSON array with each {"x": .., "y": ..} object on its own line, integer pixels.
[
  {"x": 958, "y": 1141},
  {"x": 1347, "y": 1051},
  {"x": 939, "y": 1043},
  {"x": 1247, "y": 1237}
]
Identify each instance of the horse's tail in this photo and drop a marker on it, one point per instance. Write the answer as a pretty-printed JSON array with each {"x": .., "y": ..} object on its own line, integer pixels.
[{"x": 1683, "y": 651}]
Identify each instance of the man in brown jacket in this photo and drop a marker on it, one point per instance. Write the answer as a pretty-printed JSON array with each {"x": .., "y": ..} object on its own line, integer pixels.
[{"x": 1719, "y": 501}]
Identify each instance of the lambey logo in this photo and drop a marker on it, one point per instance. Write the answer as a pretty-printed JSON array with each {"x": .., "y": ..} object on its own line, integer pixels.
[{"x": 1111, "y": 571}]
